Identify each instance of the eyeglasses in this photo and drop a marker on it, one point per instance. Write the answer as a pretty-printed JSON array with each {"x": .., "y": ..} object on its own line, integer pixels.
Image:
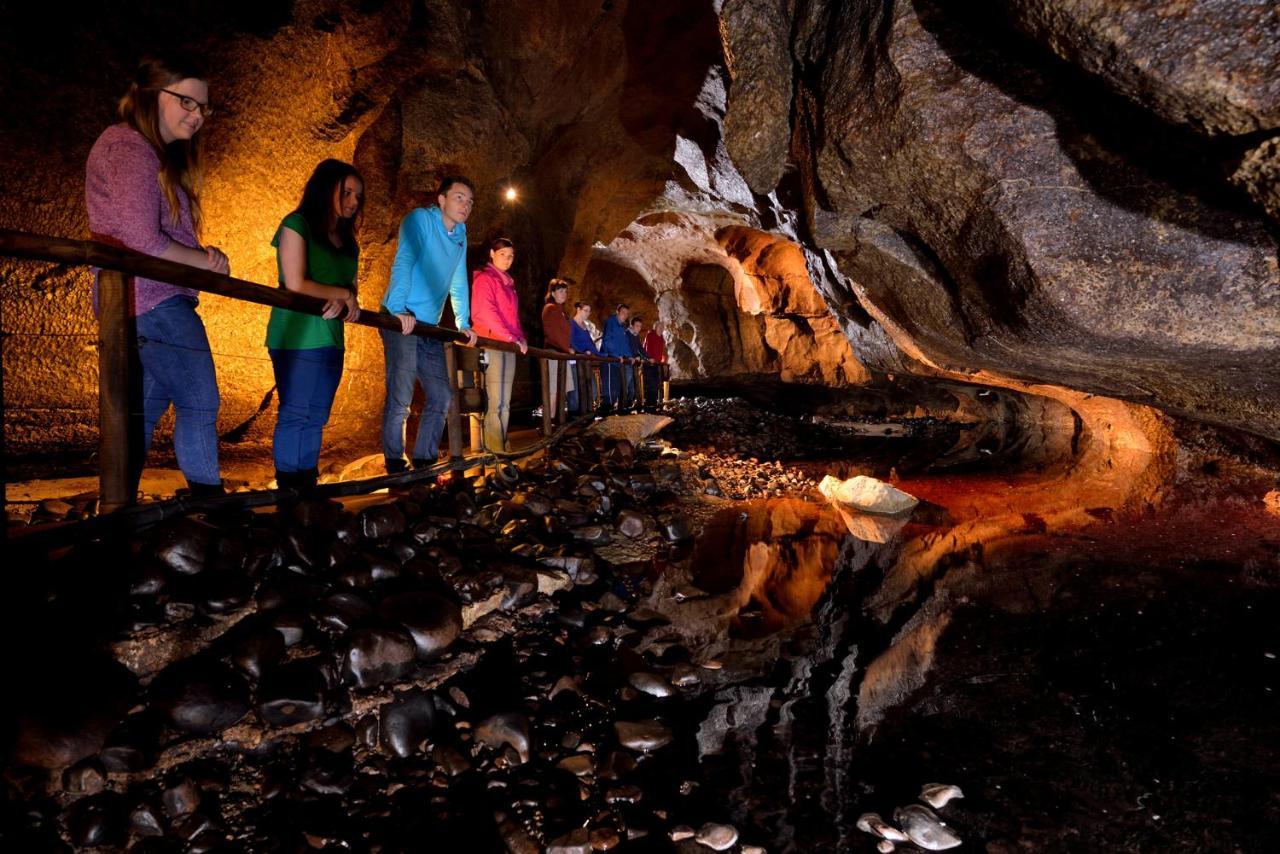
[{"x": 188, "y": 103}]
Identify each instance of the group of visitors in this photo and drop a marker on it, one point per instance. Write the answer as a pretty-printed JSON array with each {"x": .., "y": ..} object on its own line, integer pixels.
[{"x": 142, "y": 191}]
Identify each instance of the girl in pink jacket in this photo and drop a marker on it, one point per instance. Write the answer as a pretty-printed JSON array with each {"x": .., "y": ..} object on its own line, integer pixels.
[{"x": 495, "y": 313}]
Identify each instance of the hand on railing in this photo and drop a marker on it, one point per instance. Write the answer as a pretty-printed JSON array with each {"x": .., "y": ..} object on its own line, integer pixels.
[
  {"x": 217, "y": 261},
  {"x": 524, "y": 347},
  {"x": 407, "y": 322},
  {"x": 352, "y": 305},
  {"x": 471, "y": 337},
  {"x": 333, "y": 308}
]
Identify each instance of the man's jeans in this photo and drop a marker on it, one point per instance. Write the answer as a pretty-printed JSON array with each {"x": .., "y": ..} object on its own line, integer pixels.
[
  {"x": 177, "y": 368},
  {"x": 307, "y": 381},
  {"x": 410, "y": 359}
]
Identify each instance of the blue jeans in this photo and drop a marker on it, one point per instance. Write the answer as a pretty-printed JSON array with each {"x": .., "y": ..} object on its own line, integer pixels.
[
  {"x": 307, "y": 381},
  {"x": 410, "y": 359},
  {"x": 177, "y": 368},
  {"x": 499, "y": 373}
]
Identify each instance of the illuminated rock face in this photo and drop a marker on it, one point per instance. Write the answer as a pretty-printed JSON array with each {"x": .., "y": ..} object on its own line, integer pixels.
[{"x": 824, "y": 191}]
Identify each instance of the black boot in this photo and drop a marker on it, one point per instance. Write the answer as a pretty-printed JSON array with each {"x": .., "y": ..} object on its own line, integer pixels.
[
  {"x": 420, "y": 463},
  {"x": 396, "y": 466},
  {"x": 301, "y": 482},
  {"x": 205, "y": 490}
]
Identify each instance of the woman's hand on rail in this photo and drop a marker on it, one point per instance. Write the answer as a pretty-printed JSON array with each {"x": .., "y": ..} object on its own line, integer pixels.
[
  {"x": 333, "y": 308},
  {"x": 407, "y": 322},
  {"x": 217, "y": 261},
  {"x": 471, "y": 337},
  {"x": 352, "y": 306},
  {"x": 524, "y": 347}
]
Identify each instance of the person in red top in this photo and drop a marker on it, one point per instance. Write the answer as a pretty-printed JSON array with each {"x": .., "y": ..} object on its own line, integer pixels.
[
  {"x": 555, "y": 335},
  {"x": 495, "y": 313},
  {"x": 656, "y": 348}
]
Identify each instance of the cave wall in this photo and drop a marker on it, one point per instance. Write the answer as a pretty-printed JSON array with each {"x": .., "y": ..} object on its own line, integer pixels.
[
  {"x": 1065, "y": 195},
  {"x": 575, "y": 104}
]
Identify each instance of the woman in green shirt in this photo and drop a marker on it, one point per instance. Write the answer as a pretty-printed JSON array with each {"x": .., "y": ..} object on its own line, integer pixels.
[{"x": 317, "y": 255}]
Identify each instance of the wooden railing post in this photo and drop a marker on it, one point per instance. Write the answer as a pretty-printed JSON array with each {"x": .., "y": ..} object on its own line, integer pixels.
[
  {"x": 544, "y": 372},
  {"x": 562, "y": 387},
  {"x": 115, "y": 485},
  {"x": 637, "y": 385},
  {"x": 666, "y": 382},
  {"x": 454, "y": 417}
]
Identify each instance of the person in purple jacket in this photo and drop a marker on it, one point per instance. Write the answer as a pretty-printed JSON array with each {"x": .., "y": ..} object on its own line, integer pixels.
[
  {"x": 495, "y": 313},
  {"x": 142, "y": 183}
]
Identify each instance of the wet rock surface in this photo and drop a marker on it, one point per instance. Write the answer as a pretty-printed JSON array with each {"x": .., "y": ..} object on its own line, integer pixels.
[{"x": 662, "y": 689}]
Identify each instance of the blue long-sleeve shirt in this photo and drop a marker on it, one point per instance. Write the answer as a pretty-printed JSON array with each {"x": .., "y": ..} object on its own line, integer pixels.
[
  {"x": 580, "y": 339},
  {"x": 615, "y": 342},
  {"x": 430, "y": 263}
]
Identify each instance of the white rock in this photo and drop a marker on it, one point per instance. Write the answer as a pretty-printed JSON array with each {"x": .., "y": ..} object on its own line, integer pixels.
[
  {"x": 870, "y": 822},
  {"x": 866, "y": 494},
  {"x": 925, "y": 829},
  {"x": 938, "y": 795},
  {"x": 884, "y": 846},
  {"x": 720, "y": 837}
]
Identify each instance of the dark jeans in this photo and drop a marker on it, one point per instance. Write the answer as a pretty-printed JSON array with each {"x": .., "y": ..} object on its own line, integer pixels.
[
  {"x": 411, "y": 359},
  {"x": 307, "y": 381},
  {"x": 652, "y": 385},
  {"x": 177, "y": 368},
  {"x": 618, "y": 382}
]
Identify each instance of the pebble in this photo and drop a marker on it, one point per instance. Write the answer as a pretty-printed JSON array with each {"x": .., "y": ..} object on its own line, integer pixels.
[
  {"x": 925, "y": 829},
  {"x": 406, "y": 722},
  {"x": 681, "y": 832},
  {"x": 200, "y": 697},
  {"x": 604, "y": 839},
  {"x": 574, "y": 842},
  {"x": 510, "y": 728},
  {"x": 719, "y": 837},
  {"x": 432, "y": 621},
  {"x": 644, "y": 736},
  {"x": 181, "y": 797},
  {"x": 377, "y": 655},
  {"x": 938, "y": 795},
  {"x": 292, "y": 694},
  {"x": 97, "y": 821},
  {"x": 651, "y": 684},
  {"x": 870, "y": 822}
]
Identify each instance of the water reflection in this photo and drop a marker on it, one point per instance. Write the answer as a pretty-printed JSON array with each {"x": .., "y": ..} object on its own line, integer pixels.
[{"x": 768, "y": 563}]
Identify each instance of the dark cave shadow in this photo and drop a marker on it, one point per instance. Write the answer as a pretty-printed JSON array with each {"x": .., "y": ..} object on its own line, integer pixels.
[
  {"x": 670, "y": 47},
  {"x": 1119, "y": 148}
]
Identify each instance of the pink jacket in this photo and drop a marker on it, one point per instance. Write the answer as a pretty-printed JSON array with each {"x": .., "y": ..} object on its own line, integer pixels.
[{"x": 495, "y": 308}]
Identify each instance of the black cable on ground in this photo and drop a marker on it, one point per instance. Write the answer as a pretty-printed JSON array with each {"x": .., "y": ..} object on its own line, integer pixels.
[{"x": 143, "y": 515}]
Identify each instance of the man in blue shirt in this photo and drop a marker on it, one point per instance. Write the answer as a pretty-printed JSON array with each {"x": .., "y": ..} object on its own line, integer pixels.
[
  {"x": 430, "y": 263},
  {"x": 617, "y": 378}
]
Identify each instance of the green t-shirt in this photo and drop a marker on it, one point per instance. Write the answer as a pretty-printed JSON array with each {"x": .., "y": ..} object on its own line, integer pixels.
[{"x": 293, "y": 330}]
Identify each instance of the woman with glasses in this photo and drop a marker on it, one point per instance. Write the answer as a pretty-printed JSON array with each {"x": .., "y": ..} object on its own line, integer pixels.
[
  {"x": 142, "y": 191},
  {"x": 495, "y": 313},
  {"x": 317, "y": 256}
]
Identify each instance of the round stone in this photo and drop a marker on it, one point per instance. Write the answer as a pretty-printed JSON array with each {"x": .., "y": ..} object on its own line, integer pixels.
[{"x": 376, "y": 655}]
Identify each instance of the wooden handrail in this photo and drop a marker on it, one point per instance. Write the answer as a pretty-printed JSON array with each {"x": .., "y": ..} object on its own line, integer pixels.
[
  {"x": 37, "y": 247},
  {"x": 115, "y": 366}
]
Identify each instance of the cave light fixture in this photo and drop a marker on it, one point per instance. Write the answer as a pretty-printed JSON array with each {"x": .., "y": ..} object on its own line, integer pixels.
[{"x": 509, "y": 195}]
